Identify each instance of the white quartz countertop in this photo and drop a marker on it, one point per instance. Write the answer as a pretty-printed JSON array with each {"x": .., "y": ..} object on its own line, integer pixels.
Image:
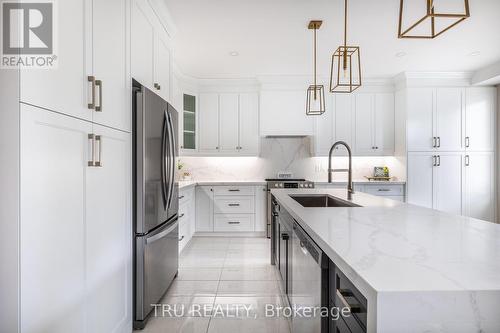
[
  {"x": 364, "y": 182},
  {"x": 188, "y": 183},
  {"x": 401, "y": 247}
]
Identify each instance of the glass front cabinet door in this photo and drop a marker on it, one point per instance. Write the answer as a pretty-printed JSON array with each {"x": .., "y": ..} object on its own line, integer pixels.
[{"x": 189, "y": 123}]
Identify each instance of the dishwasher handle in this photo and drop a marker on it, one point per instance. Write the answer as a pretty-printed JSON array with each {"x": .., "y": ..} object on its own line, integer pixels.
[{"x": 307, "y": 244}]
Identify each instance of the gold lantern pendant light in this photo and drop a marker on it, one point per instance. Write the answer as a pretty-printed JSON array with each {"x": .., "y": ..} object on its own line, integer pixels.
[
  {"x": 431, "y": 16},
  {"x": 346, "y": 65},
  {"x": 315, "y": 104}
]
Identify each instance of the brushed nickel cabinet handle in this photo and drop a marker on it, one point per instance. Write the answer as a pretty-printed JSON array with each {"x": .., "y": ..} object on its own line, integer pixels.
[
  {"x": 439, "y": 160},
  {"x": 91, "y": 162},
  {"x": 91, "y": 79},
  {"x": 353, "y": 308},
  {"x": 180, "y": 239},
  {"x": 98, "y": 83},
  {"x": 434, "y": 142},
  {"x": 467, "y": 142},
  {"x": 384, "y": 190},
  {"x": 234, "y": 190},
  {"x": 233, "y": 205},
  {"x": 98, "y": 140},
  {"x": 467, "y": 160},
  {"x": 182, "y": 215},
  {"x": 439, "y": 142},
  {"x": 157, "y": 86},
  {"x": 434, "y": 160},
  {"x": 181, "y": 197},
  {"x": 234, "y": 222}
]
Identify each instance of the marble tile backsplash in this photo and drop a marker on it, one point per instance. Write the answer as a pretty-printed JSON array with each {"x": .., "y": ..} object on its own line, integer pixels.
[{"x": 285, "y": 154}]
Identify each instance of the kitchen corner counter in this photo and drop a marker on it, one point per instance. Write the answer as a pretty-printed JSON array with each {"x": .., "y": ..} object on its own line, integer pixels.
[
  {"x": 420, "y": 269},
  {"x": 188, "y": 183}
]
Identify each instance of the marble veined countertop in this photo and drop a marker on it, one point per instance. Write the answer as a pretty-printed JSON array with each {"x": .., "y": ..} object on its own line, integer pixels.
[
  {"x": 421, "y": 270},
  {"x": 188, "y": 183}
]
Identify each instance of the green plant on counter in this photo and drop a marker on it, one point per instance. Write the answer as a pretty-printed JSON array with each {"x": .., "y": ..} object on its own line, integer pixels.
[{"x": 180, "y": 165}]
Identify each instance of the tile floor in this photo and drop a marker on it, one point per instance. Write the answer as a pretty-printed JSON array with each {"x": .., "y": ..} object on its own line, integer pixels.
[{"x": 222, "y": 287}]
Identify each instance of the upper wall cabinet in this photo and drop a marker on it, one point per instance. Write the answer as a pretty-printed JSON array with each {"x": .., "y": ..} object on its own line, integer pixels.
[
  {"x": 188, "y": 123},
  {"x": 228, "y": 124},
  {"x": 451, "y": 119},
  {"x": 365, "y": 121},
  {"x": 91, "y": 80},
  {"x": 283, "y": 113},
  {"x": 151, "y": 53}
]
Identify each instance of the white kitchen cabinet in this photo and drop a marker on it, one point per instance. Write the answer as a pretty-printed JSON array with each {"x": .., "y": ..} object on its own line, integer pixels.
[
  {"x": 374, "y": 124},
  {"x": 163, "y": 65},
  {"x": 64, "y": 89},
  {"x": 228, "y": 122},
  {"x": 480, "y": 185},
  {"x": 54, "y": 154},
  {"x": 284, "y": 113},
  {"x": 420, "y": 179},
  {"x": 110, "y": 63},
  {"x": 480, "y": 119},
  {"x": 448, "y": 119},
  {"x": 364, "y": 129},
  {"x": 448, "y": 182},
  {"x": 260, "y": 208},
  {"x": 142, "y": 43},
  {"x": 343, "y": 105},
  {"x": 204, "y": 209},
  {"x": 187, "y": 215},
  {"x": 81, "y": 224},
  {"x": 108, "y": 232},
  {"x": 208, "y": 122},
  {"x": 67, "y": 88},
  {"x": 249, "y": 123},
  {"x": 420, "y": 114},
  {"x": 384, "y": 123},
  {"x": 151, "y": 58},
  {"x": 324, "y": 135}
]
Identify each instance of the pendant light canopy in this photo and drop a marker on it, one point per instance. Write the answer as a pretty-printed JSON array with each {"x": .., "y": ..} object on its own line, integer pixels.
[
  {"x": 315, "y": 104},
  {"x": 444, "y": 19},
  {"x": 345, "y": 76}
]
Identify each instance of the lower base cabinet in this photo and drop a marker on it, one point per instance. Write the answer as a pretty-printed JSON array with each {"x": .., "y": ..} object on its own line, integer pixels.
[
  {"x": 75, "y": 226},
  {"x": 187, "y": 215}
]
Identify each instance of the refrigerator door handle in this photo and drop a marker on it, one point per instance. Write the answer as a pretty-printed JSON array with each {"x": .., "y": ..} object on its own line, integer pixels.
[
  {"x": 163, "y": 166},
  {"x": 171, "y": 158},
  {"x": 162, "y": 234}
]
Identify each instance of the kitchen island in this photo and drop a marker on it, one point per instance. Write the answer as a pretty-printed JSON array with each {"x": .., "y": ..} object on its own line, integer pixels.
[{"x": 419, "y": 269}]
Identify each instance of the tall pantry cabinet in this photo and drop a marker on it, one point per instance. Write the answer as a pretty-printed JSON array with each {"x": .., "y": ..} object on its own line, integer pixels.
[
  {"x": 73, "y": 224},
  {"x": 451, "y": 149}
]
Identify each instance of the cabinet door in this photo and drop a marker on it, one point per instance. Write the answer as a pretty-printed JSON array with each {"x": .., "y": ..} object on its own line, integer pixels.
[
  {"x": 480, "y": 186},
  {"x": 448, "y": 180},
  {"x": 480, "y": 119},
  {"x": 260, "y": 208},
  {"x": 448, "y": 127},
  {"x": 249, "y": 123},
  {"x": 53, "y": 157},
  {"x": 419, "y": 124},
  {"x": 64, "y": 89},
  {"x": 204, "y": 209},
  {"x": 108, "y": 233},
  {"x": 109, "y": 22},
  {"x": 208, "y": 122},
  {"x": 343, "y": 120},
  {"x": 364, "y": 129},
  {"x": 228, "y": 122},
  {"x": 384, "y": 124},
  {"x": 142, "y": 43},
  {"x": 162, "y": 65},
  {"x": 420, "y": 178},
  {"x": 324, "y": 136}
]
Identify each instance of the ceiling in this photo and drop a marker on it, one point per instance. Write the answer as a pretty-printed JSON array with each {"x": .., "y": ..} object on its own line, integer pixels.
[{"x": 271, "y": 37}]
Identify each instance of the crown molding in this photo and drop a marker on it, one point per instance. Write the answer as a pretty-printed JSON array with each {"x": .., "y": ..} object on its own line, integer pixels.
[
  {"x": 487, "y": 76},
  {"x": 426, "y": 79},
  {"x": 163, "y": 14}
]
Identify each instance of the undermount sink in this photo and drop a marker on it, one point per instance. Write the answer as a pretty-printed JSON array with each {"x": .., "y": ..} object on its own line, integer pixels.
[{"x": 321, "y": 200}]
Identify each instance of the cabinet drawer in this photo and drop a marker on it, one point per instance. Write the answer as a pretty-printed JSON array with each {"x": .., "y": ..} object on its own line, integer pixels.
[
  {"x": 236, "y": 205},
  {"x": 384, "y": 190},
  {"x": 346, "y": 294},
  {"x": 234, "y": 190},
  {"x": 185, "y": 196},
  {"x": 234, "y": 222}
]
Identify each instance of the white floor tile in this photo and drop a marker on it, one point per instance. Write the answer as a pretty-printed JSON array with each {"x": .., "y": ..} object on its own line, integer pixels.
[
  {"x": 199, "y": 274},
  {"x": 248, "y": 288},
  {"x": 262, "y": 273},
  {"x": 186, "y": 306},
  {"x": 190, "y": 288},
  {"x": 230, "y": 325},
  {"x": 176, "y": 325},
  {"x": 251, "y": 307}
]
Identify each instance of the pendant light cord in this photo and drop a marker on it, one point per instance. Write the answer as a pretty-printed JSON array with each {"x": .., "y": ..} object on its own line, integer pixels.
[
  {"x": 315, "y": 96},
  {"x": 345, "y": 34}
]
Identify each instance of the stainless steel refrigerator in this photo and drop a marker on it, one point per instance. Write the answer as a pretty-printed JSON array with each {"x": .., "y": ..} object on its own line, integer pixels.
[{"x": 156, "y": 243}]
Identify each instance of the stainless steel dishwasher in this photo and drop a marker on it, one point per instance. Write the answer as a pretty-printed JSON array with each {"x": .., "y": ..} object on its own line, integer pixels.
[{"x": 309, "y": 283}]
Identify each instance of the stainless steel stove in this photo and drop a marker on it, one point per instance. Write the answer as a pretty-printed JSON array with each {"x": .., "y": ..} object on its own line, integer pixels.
[{"x": 278, "y": 183}]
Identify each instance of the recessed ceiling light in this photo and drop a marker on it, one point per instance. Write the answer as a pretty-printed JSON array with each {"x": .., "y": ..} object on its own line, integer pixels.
[
  {"x": 400, "y": 54},
  {"x": 234, "y": 54},
  {"x": 474, "y": 54}
]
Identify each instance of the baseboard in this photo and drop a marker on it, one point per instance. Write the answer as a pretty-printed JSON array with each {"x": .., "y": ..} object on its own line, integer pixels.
[{"x": 230, "y": 234}]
